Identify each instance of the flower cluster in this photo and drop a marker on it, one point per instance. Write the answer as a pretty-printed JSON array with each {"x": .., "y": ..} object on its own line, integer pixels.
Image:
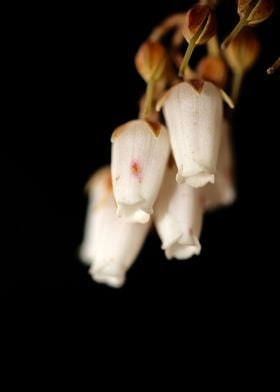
[{"x": 175, "y": 162}]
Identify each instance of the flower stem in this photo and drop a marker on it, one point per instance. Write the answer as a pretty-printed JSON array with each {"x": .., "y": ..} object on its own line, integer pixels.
[
  {"x": 149, "y": 97},
  {"x": 273, "y": 68},
  {"x": 236, "y": 85},
  {"x": 190, "y": 50},
  {"x": 242, "y": 23},
  {"x": 172, "y": 22},
  {"x": 213, "y": 47}
]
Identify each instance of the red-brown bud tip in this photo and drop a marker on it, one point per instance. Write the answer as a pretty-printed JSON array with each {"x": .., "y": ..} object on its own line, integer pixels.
[{"x": 200, "y": 19}]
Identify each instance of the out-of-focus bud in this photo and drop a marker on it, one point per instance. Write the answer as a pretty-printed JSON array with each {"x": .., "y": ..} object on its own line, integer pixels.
[
  {"x": 262, "y": 10},
  {"x": 251, "y": 12},
  {"x": 213, "y": 69},
  {"x": 140, "y": 151},
  {"x": 223, "y": 192},
  {"x": 199, "y": 27},
  {"x": 110, "y": 245},
  {"x": 243, "y": 51},
  {"x": 150, "y": 60},
  {"x": 210, "y": 3},
  {"x": 193, "y": 113},
  {"x": 241, "y": 54},
  {"x": 178, "y": 217}
]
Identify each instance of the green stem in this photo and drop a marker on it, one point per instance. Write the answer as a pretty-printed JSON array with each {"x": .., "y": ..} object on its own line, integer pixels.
[
  {"x": 236, "y": 85},
  {"x": 149, "y": 97},
  {"x": 187, "y": 56},
  {"x": 213, "y": 47},
  {"x": 242, "y": 23}
]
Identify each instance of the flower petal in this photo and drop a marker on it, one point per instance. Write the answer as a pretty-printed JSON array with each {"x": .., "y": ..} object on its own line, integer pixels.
[
  {"x": 223, "y": 192},
  {"x": 194, "y": 123},
  {"x": 110, "y": 244},
  {"x": 139, "y": 155},
  {"x": 178, "y": 218}
]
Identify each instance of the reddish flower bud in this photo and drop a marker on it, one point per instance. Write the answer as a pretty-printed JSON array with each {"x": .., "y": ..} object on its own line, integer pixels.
[
  {"x": 200, "y": 20},
  {"x": 150, "y": 60}
]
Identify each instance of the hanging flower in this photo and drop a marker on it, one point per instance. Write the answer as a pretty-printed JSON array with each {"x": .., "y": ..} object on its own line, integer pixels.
[
  {"x": 140, "y": 150},
  {"x": 110, "y": 244},
  {"x": 193, "y": 113},
  {"x": 178, "y": 217},
  {"x": 223, "y": 192}
]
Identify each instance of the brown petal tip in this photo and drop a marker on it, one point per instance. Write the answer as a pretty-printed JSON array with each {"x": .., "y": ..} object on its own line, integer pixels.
[
  {"x": 155, "y": 127},
  {"x": 119, "y": 130},
  {"x": 196, "y": 84}
]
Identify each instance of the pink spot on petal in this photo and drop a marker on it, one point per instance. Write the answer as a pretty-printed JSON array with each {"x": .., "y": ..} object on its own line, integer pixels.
[{"x": 136, "y": 170}]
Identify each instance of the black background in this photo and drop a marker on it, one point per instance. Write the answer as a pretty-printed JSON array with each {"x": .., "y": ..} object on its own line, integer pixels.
[{"x": 71, "y": 79}]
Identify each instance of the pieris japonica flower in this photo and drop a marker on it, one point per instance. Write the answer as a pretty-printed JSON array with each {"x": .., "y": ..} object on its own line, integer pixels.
[
  {"x": 222, "y": 193},
  {"x": 178, "y": 217},
  {"x": 110, "y": 244},
  {"x": 140, "y": 151},
  {"x": 200, "y": 177},
  {"x": 193, "y": 113}
]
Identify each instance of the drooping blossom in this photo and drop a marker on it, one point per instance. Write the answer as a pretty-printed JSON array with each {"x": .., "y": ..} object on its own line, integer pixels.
[
  {"x": 140, "y": 151},
  {"x": 110, "y": 245},
  {"x": 193, "y": 113},
  {"x": 178, "y": 217}
]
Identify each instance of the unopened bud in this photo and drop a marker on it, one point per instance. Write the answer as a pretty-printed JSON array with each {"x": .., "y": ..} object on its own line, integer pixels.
[
  {"x": 200, "y": 21},
  {"x": 243, "y": 51},
  {"x": 262, "y": 10},
  {"x": 200, "y": 26},
  {"x": 251, "y": 12},
  {"x": 213, "y": 69},
  {"x": 150, "y": 60}
]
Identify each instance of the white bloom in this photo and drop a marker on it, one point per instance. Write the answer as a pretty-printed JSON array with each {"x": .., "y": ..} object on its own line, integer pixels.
[
  {"x": 223, "y": 192},
  {"x": 110, "y": 244},
  {"x": 178, "y": 217},
  {"x": 193, "y": 113},
  {"x": 140, "y": 151}
]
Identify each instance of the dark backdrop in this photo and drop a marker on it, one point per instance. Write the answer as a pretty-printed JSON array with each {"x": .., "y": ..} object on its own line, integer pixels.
[{"x": 71, "y": 82}]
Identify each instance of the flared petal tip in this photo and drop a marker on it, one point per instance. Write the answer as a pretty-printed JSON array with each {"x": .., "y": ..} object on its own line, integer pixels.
[
  {"x": 85, "y": 255},
  {"x": 183, "y": 251},
  {"x": 197, "y": 180},
  {"x": 108, "y": 275},
  {"x": 133, "y": 214}
]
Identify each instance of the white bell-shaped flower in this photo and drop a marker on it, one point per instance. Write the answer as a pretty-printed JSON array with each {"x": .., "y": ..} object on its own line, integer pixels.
[
  {"x": 178, "y": 217},
  {"x": 223, "y": 192},
  {"x": 193, "y": 113},
  {"x": 140, "y": 151},
  {"x": 110, "y": 244}
]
